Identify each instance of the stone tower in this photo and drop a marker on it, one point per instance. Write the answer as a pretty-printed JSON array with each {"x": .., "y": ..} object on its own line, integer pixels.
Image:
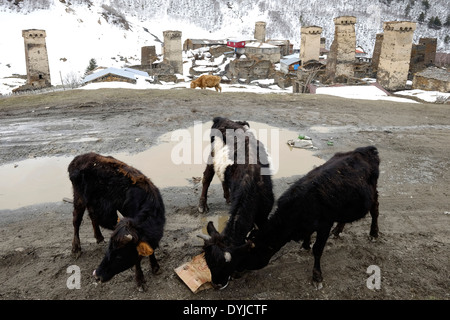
[
  {"x": 341, "y": 58},
  {"x": 395, "y": 54},
  {"x": 148, "y": 55},
  {"x": 377, "y": 52},
  {"x": 172, "y": 50},
  {"x": 430, "y": 49},
  {"x": 38, "y": 71},
  {"x": 260, "y": 31},
  {"x": 310, "y": 43}
]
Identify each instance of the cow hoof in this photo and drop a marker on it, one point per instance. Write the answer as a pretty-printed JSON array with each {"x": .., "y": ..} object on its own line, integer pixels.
[
  {"x": 141, "y": 288},
  {"x": 318, "y": 285},
  {"x": 76, "y": 254},
  {"x": 156, "y": 271},
  {"x": 306, "y": 246},
  {"x": 373, "y": 239}
]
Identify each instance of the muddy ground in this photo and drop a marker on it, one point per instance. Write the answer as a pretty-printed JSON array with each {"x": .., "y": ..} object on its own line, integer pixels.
[{"x": 412, "y": 252}]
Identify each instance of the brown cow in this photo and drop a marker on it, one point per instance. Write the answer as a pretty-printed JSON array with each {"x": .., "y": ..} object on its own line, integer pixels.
[
  {"x": 104, "y": 186},
  {"x": 207, "y": 81}
]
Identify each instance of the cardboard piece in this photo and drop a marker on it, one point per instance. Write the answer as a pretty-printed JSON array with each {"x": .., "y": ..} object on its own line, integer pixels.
[{"x": 195, "y": 274}]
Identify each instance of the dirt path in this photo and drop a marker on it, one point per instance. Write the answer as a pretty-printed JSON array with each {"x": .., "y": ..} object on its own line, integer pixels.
[{"x": 412, "y": 253}]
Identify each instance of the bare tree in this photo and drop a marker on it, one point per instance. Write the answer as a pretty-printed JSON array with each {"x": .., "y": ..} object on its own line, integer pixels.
[{"x": 72, "y": 80}]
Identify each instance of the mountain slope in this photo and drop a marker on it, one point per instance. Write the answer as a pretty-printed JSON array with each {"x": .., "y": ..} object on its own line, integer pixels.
[{"x": 113, "y": 31}]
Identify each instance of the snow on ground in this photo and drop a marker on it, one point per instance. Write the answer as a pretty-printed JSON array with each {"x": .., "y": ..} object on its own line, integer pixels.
[
  {"x": 142, "y": 84},
  {"x": 429, "y": 96},
  {"x": 351, "y": 92},
  {"x": 360, "y": 92}
]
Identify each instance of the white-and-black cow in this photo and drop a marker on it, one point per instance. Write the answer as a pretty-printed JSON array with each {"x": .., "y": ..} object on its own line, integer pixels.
[{"x": 242, "y": 164}]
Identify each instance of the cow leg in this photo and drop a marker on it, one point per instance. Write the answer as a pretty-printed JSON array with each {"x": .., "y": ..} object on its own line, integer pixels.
[
  {"x": 97, "y": 233},
  {"x": 226, "y": 192},
  {"x": 208, "y": 175},
  {"x": 78, "y": 212},
  {"x": 374, "y": 213},
  {"x": 139, "y": 275},
  {"x": 321, "y": 239},
  {"x": 338, "y": 229},
  {"x": 307, "y": 242},
  {"x": 154, "y": 264}
]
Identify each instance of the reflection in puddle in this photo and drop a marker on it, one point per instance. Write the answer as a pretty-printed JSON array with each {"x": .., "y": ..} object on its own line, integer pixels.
[{"x": 46, "y": 179}]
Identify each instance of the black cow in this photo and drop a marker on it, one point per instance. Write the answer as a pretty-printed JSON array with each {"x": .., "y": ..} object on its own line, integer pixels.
[
  {"x": 105, "y": 185},
  {"x": 341, "y": 190},
  {"x": 241, "y": 163}
]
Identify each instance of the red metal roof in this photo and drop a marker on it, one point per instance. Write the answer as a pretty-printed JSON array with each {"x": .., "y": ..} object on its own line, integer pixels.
[{"x": 236, "y": 43}]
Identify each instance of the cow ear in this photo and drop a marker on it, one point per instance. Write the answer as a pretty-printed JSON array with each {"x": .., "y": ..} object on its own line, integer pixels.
[
  {"x": 211, "y": 229},
  {"x": 227, "y": 256},
  {"x": 144, "y": 249}
]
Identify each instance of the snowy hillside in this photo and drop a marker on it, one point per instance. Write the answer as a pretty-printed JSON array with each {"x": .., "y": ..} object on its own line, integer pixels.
[{"x": 113, "y": 31}]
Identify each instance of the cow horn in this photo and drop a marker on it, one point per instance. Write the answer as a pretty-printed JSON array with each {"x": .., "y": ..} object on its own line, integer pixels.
[
  {"x": 119, "y": 216},
  {"x": 204, "y": 237},
  {"x": 128, "y": 237}
]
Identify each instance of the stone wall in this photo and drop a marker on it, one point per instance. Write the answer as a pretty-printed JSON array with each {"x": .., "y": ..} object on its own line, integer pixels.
[
  {"x": 250, "y": 69},
  {"x": 432, "y": 79},
  {"x": 262, "y": 51}
]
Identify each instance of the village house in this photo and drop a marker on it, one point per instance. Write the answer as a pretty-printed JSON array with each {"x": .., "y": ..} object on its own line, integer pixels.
[
  {"x": 423, "y": 55},
  {"x": 262, "y": 51},
  {"x": 238, "y": 44},
  {"x": 285, "y": 46},
  {"x": 192, "y": 44},
  {"x": 114, "y": 74},
  {"x": 361, "y": 55},
  {"x": 432, "y": 79},
  {"x": 290, "y": 63}
]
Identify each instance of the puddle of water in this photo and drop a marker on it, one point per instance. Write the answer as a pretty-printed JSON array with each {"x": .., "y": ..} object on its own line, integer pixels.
[
  {"x": 220, "y": 221},
  {"x": 34, "y": 181},
  {"x": 43, "y": 180}
]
